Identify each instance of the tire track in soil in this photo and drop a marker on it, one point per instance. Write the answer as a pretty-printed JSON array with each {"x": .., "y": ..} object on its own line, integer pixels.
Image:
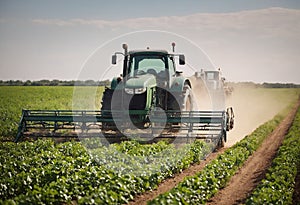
[
  {"x": 253, "y": 171},
  {"x": 170, "y": 183}
]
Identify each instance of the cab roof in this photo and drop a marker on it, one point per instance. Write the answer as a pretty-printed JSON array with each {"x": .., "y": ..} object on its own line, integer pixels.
[{"x": 148, "y": 52}]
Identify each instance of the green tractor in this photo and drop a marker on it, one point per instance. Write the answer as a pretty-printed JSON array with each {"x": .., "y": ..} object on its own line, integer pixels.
[{"x": 149, "y": 82}]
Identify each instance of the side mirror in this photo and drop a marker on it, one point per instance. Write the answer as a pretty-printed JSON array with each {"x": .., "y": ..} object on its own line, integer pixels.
[
  {"x": 114, "y": 59},
  {"x": 181, "y": 59}
]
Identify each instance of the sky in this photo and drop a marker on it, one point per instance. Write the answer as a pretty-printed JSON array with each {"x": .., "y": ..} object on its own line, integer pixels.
[{"x": 250, "y": 40}]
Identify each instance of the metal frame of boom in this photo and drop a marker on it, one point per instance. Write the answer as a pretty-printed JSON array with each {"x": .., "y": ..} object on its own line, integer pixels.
[{"x": 210, "y": 125}]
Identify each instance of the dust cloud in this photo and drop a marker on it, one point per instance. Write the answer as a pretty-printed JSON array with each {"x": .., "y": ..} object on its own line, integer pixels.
[{"x": 252, "y": 106}]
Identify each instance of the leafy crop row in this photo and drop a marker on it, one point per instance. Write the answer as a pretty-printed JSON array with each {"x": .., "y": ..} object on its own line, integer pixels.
[
  {"x": 42, "y": 172},
  {"x": 199, "y": 188},
  {"x": 278, "y": 186}
]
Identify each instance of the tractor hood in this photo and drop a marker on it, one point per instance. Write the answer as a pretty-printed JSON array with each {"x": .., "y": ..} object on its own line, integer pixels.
[{"x": 141, "y": 81}]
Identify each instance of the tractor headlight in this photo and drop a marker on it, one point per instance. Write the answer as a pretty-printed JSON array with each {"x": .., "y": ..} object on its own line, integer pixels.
[
  {"x": 129, "y": 91},
  {"x": 139, "y": 90},
  {"x": 132, "y": 91}
]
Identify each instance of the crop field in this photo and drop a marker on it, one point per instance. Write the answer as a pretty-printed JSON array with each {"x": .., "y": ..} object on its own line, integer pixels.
[
  {"x": 15, "y": 98},
  {"x": 87, "y": 172}
]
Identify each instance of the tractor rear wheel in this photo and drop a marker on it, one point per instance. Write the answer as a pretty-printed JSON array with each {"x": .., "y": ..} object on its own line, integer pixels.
[
  {"x": 188, "y": 99},
  {"x": 183, "y": 102}
]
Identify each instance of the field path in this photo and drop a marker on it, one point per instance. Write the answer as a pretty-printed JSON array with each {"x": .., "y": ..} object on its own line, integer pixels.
[
  {"x": 170, "y": 183},
  {"x": 254, "y": 169}
]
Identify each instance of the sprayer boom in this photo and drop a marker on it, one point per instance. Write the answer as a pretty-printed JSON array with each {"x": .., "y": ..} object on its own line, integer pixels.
[{"x": 88, "y": 123}]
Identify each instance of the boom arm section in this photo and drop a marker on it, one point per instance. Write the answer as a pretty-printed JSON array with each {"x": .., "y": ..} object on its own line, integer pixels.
[{"x": 209, "y": 125}]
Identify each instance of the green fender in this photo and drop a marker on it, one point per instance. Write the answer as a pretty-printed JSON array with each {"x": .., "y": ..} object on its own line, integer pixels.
[
  {"x": 178, "y": 84},
  {"x": 114, "y": 83}
]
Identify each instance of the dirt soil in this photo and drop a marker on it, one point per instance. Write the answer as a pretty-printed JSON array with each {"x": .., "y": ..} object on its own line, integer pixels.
[
  {"x": 254, "y": 169},
  {"x": 170, "y": 183}
]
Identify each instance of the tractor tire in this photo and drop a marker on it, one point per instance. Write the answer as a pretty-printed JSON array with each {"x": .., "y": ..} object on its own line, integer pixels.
[
  {"x": 185, "y": 101},
  {"x": 106, "y": 106},
  {"x": 188, "y": 100},
  {"x": 221, "y": 143},
  {"x": 106, "y": 99}
]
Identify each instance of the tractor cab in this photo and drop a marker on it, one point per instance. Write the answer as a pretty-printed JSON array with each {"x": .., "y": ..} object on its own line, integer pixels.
[
  {"x": 213, "y": 79},
  {"x": 158, "y": 63},
  {"x": 151, "y": 73},
  {"x": 155, "y": 63}
]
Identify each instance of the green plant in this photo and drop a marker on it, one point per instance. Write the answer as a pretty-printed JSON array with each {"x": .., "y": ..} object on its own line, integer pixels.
[{"x": 43, "y": 172}]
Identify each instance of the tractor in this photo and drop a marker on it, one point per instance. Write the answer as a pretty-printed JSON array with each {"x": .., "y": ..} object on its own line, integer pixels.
[{"x": 150, "y": 100}]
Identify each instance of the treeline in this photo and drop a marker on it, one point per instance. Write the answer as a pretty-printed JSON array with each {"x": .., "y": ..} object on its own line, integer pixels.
[
  {"x": 54, "y": 83},
  {"x": 263, "y": 85},
  {"x": 280, "y": 85}
]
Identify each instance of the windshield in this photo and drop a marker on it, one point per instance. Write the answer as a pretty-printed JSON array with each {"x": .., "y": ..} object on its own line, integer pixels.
[{"x": 140, "y": 65}]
